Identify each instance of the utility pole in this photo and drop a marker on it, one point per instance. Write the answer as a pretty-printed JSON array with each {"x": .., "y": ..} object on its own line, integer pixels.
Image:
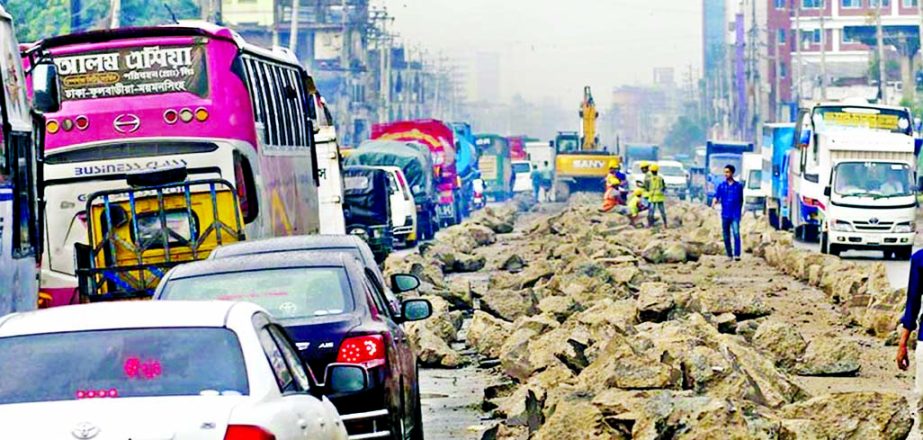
[
  {"x": 293, "y": 33},
  {"x": 205, "y": 7},
  {"x": 796, "y": 81},
  {"x": 115, "y": 11},
  {"x": 275, "y": 23},
  {"x": 882, "y": 75},
  {"x": 823, "y": 51}
]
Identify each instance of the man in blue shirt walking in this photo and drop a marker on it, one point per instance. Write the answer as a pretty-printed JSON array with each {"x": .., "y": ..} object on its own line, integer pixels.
[
  {"x": 731, "y": 195},
  {"x": 910, "y": 320}
]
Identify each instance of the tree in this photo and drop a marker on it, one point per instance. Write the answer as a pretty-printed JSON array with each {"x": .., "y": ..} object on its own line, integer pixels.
[
  {"x": 685, "y": 133},
  {"x": 37, "y": 19}
]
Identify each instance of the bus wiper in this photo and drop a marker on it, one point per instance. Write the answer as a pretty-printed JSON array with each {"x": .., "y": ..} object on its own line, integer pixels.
[{"x": 888, "y": 196}]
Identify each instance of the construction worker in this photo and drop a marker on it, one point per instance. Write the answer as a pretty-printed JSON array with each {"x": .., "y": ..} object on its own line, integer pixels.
[
  {"x": 623, "y": 185},
  {"x": 643, "y": 183},
  {"x": 536, "y": 177},
  {"x": 635, "y": 206},
  {"x": 656, "y": 188},
  {"x": 611, "y": 196}
]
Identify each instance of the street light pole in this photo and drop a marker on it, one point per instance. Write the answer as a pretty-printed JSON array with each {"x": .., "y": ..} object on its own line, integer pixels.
[
  {"x": 797, "y": 76},
  {"x": 882, "y": 74},
  {"x": 823, "y": 51}
]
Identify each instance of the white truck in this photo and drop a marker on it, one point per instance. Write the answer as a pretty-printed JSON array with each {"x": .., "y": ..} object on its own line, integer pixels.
[
  {"x": 754, "y": 192},
  {"x": 862, "y": 159},
  {"x": 330, "y": 191}
]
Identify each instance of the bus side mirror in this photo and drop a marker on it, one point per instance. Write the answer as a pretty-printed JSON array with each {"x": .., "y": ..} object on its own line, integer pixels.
[
  {"x": 827, "y": 191},
  {"x": 46, "y": 95}
]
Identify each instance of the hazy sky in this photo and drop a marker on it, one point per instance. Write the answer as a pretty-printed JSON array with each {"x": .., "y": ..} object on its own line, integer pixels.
[{"x": 552, "y": 48}]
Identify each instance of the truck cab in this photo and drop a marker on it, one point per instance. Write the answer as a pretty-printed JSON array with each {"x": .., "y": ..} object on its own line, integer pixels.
[
  {"x": 872, "y": 197},
  {"x": 752, "y": 176}
]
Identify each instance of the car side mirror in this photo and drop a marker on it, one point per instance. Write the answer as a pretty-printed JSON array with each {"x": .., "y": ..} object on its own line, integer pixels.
[
  {"x": 416, "y": 310},
  {"x": 827, "y": 191},
  {"x": 402, "y": 282},
  {"x": 345, "y": 378},
  {"x": 46, "y": 95}
]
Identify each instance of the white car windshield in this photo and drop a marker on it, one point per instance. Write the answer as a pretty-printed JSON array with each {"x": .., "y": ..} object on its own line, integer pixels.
[
  {"x": 289, "y": 293},
  {"x": 873, "y": 179},
  {"x": 142, "y": 362},
  {"x": 672, "y": 171}
]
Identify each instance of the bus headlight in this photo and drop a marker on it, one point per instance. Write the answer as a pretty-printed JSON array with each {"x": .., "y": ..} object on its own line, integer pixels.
[
  {"x": 903, "y": 228},
  {"x": 359, "y": 232},
  {"x": 842, "y": 226}
]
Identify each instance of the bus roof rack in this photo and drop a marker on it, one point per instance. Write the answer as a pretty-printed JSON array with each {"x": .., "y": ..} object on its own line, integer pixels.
[{"x": 157, "y": 177}]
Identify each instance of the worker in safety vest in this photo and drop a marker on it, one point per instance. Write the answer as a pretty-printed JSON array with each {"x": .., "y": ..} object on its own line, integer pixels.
[
  {"x": 656, "y": 188},
  {"x": 611, "y": 196},
  {"x": 635, "y": 206},
  {"x": 645, "y": 177}
]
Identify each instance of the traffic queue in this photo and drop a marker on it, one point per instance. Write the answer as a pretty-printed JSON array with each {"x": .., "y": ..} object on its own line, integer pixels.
[{"x": 183, "y": 165}]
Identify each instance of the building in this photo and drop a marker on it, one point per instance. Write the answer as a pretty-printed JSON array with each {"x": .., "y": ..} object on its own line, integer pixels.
[{"x": 827, "y": 49}]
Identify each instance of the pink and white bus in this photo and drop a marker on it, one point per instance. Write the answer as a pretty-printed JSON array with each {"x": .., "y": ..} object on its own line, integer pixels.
[{"x": 195, "y": 96}]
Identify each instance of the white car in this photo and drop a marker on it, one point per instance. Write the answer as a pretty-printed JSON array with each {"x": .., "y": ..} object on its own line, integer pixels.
[
  {"x": 403, "y": 208},
  {"x": 523, "y": 171},
  {"x": 159, "y": 370}
]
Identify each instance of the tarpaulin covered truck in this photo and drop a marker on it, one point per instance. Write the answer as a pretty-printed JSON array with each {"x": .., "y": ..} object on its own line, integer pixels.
[
  {"x": 417, "y": 166},
  {"x": 440, "y": 139}
]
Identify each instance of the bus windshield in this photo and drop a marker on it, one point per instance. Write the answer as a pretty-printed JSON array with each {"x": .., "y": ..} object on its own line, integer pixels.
[{"x": 873, "y": 179}]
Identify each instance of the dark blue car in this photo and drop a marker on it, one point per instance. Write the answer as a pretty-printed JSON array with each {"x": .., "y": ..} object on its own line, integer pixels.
[{"x": 335, "y": 311}]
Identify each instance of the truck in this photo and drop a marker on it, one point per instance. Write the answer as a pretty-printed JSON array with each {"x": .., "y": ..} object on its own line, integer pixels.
[
  {"x": 440, "y": 139},
  {"x": 495, "y": 164},
  {"x": 540, "y": 152},
  {"x": 641, "y": 152},
  {"x": 467, "y": 164},
  {"x": 777, "y": 141},
  {"x": 330, "y": 173},
  {"x": 752, "y": 179},
  {"x": 857, "y": 169},
  {"x": 581, "y": 163},
  {"x": 719, "y": 154}
]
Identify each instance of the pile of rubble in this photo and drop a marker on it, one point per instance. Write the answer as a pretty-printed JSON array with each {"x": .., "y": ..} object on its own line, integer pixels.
[
  {"x": 592, "y": 342},
  {"x": 862, "y": 292}
]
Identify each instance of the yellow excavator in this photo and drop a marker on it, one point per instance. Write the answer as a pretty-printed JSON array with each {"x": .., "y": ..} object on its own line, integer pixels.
[{"x": 581, "y": 163}]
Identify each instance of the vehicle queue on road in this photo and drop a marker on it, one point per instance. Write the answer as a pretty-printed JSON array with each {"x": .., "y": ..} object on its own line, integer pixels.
[{"x": 182, "y": 164}]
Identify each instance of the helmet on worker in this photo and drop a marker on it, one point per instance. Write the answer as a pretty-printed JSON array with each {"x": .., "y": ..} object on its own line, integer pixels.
[
  {"x": 644, "y": 165},
  {"x": 638, "y": 191},
  {"x": 655, "y": 168}
]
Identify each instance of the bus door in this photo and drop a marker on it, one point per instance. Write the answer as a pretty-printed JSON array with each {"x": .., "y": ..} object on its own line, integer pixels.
[{"x": 137, "y": 234}]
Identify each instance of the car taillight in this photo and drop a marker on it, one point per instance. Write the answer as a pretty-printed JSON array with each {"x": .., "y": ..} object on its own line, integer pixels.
[
  {"x": 368, "y": 350},
  {"x": 170, "y": 116},
  {"x": 52, "y": 126},
  {"x": 247, "y": 432}
]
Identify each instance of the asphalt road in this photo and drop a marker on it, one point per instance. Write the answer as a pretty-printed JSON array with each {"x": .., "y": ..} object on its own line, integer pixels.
[{"x": 898, "y": 271}]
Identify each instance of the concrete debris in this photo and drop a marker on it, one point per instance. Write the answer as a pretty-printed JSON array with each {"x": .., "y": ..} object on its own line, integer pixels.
[{"x": 595, "y": 341}]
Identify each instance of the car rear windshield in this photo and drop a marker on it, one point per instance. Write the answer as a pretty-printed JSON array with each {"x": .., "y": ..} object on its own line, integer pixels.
[
  {"x": 143, "y": 362},
  {"x": 290, "y": 293}
]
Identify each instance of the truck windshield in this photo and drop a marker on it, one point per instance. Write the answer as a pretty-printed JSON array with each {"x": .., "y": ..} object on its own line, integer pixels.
[
  {"x": 141, "y": 362},
  {"x": 717, "y": 163},
  {"x": 873, "y": 179}
]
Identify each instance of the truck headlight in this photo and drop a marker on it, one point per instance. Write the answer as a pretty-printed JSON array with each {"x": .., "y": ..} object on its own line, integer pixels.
[
  {"x": 903, "y": 228},
  {"x": 842, "y": 226}
]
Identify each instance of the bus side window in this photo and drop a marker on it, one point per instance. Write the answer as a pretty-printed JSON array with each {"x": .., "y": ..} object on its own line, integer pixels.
[{"x": 246, "y": 188}]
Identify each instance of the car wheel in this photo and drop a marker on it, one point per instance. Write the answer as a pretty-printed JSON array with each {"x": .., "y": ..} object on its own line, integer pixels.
[
  {"x": 905, "y": 253},
  {"x": 835, "y": 250},
  {"x": 417, "y": 413}
]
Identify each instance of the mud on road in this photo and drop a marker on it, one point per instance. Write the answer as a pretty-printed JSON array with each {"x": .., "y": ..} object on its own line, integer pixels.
[{"x": 563, "y": 323}]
